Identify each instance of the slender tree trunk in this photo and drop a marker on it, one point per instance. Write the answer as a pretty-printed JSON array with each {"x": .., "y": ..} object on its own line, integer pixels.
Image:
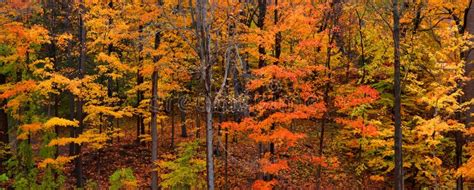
[
  {"x": 262, "y": 11},
  {"x": 327, "y": 102},
  {"x": 3, "y": 116},
  {"x": 172, "y": 126},
  {"x": 110, "y": 124},
  {"x": 154, "y": 110},
  {"x": 80, "y": 102},
  {"x": 397, "y": 102},
  {"x": 184, "y": 133},
  {"x": 72, "y": 130},
  {"x": 139, "y": 82},
  {"x": 154, "y": 134},
  {"x": 198, "y": 121},
  {"x": 205, "y": 59}
]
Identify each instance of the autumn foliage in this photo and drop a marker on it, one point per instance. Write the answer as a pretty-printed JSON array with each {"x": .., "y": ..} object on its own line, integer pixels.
[{"x": 264, "y": 94}]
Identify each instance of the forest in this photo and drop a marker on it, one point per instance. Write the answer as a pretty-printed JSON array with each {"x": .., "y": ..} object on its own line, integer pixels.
[{"x": 236, "y": 94}]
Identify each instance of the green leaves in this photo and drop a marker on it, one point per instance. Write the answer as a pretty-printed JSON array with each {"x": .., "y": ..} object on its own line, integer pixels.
[
  {"x": 122, "y": 178},
  {"x": 184, "y": 171}
]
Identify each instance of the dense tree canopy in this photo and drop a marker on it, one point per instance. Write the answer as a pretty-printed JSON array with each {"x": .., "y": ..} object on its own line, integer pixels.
[{"x": 265, "y": 94}]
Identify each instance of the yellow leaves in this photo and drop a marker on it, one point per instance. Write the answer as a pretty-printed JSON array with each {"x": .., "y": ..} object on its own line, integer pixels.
[
  {"x": 56, "y": 163},
  {"x": 431, "y": 129},
  {"x": 91, "y": 137},
  {"x": 113, "y": 64},
  {"x": 63, "y": 39},
  {"x": 145, "y": 138},
  {"x": 433, "y": 161},
  {"x": 56, "y": 121},
  {"x": 94, "y": 111},
  {"x": 61, "y": 141}
]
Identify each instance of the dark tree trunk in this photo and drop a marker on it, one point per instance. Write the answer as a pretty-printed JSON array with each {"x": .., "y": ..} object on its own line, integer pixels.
[
  {"x": 184, "y": 133},
  {"x": 140, "y": 123},
  {"x": 327, "y": 102},
  {"x": 110, "y": 81},
  {"x": 398, "y": 183},
  {"x": 72, "y": 130},
  {"x": 172, "y": 125},
  {"x": 468, "y": 89},
  {"x": 154, "y": 111},
  {"x": 262, "y": 11},
  {"x": 3, "y": 116},
  {"x": 79, "y": 115}
]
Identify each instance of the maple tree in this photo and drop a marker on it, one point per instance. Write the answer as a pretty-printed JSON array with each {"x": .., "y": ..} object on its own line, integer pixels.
[{"x": 266, "y": 94}]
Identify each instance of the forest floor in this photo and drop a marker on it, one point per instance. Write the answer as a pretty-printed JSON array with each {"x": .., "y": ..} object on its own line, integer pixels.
[{"x": 126, "y": 152}]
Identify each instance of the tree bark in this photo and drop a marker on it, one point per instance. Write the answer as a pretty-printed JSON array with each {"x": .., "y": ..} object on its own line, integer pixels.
[
  {"x": 79, "y": 115},
  {"x": 3, "y": 116},
  {"x": 205, "y": 59},
  {"x": 154, "y": 111},
  {"x": 262, "y": 11},
  {"x": 140, "y": 122},
  {"x": 154, "y": 134},
  {"x": 398, "y": 183},
  {"x": 468, "y": 89},
  {"x": 184, "y": 132}
]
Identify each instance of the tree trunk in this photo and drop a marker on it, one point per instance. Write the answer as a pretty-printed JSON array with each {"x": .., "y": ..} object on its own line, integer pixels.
[
  {"x": 184, "y": 133},
  {"x": 205, "y": 59},
  {"x": 468, "y": 89},
  {"x": 3, "y": 116},
  {"x": 262, "y": 11},
  {"x": 397, "y": 102},
  {"x": 154, "y": 110},
  {"x": 154, "y": 134},
  {"x": 139, "y": 82},
  {"x": 172, "y": 125},
  {"x": 72, "y": 130},
  {"x": 327, "y": 102},
  {"x": 80, "y": 103},
  {"x": 198, "y": 121}
]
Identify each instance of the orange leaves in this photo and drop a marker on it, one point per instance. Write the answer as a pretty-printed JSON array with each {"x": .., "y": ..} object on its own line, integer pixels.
[
  {"x": 264, "y": 185},
  {"x": 20, "y": 37},
  {"x": 281, "y": 135},
  {"x": 21, "y": 87},
  {"x": 318, "y": 161},
  {"x": 361, "y": 95},
  {"x": 273, "y": 168},
  {"x": 360, "y": 126},
  {"x": 28, "y": 129}
]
